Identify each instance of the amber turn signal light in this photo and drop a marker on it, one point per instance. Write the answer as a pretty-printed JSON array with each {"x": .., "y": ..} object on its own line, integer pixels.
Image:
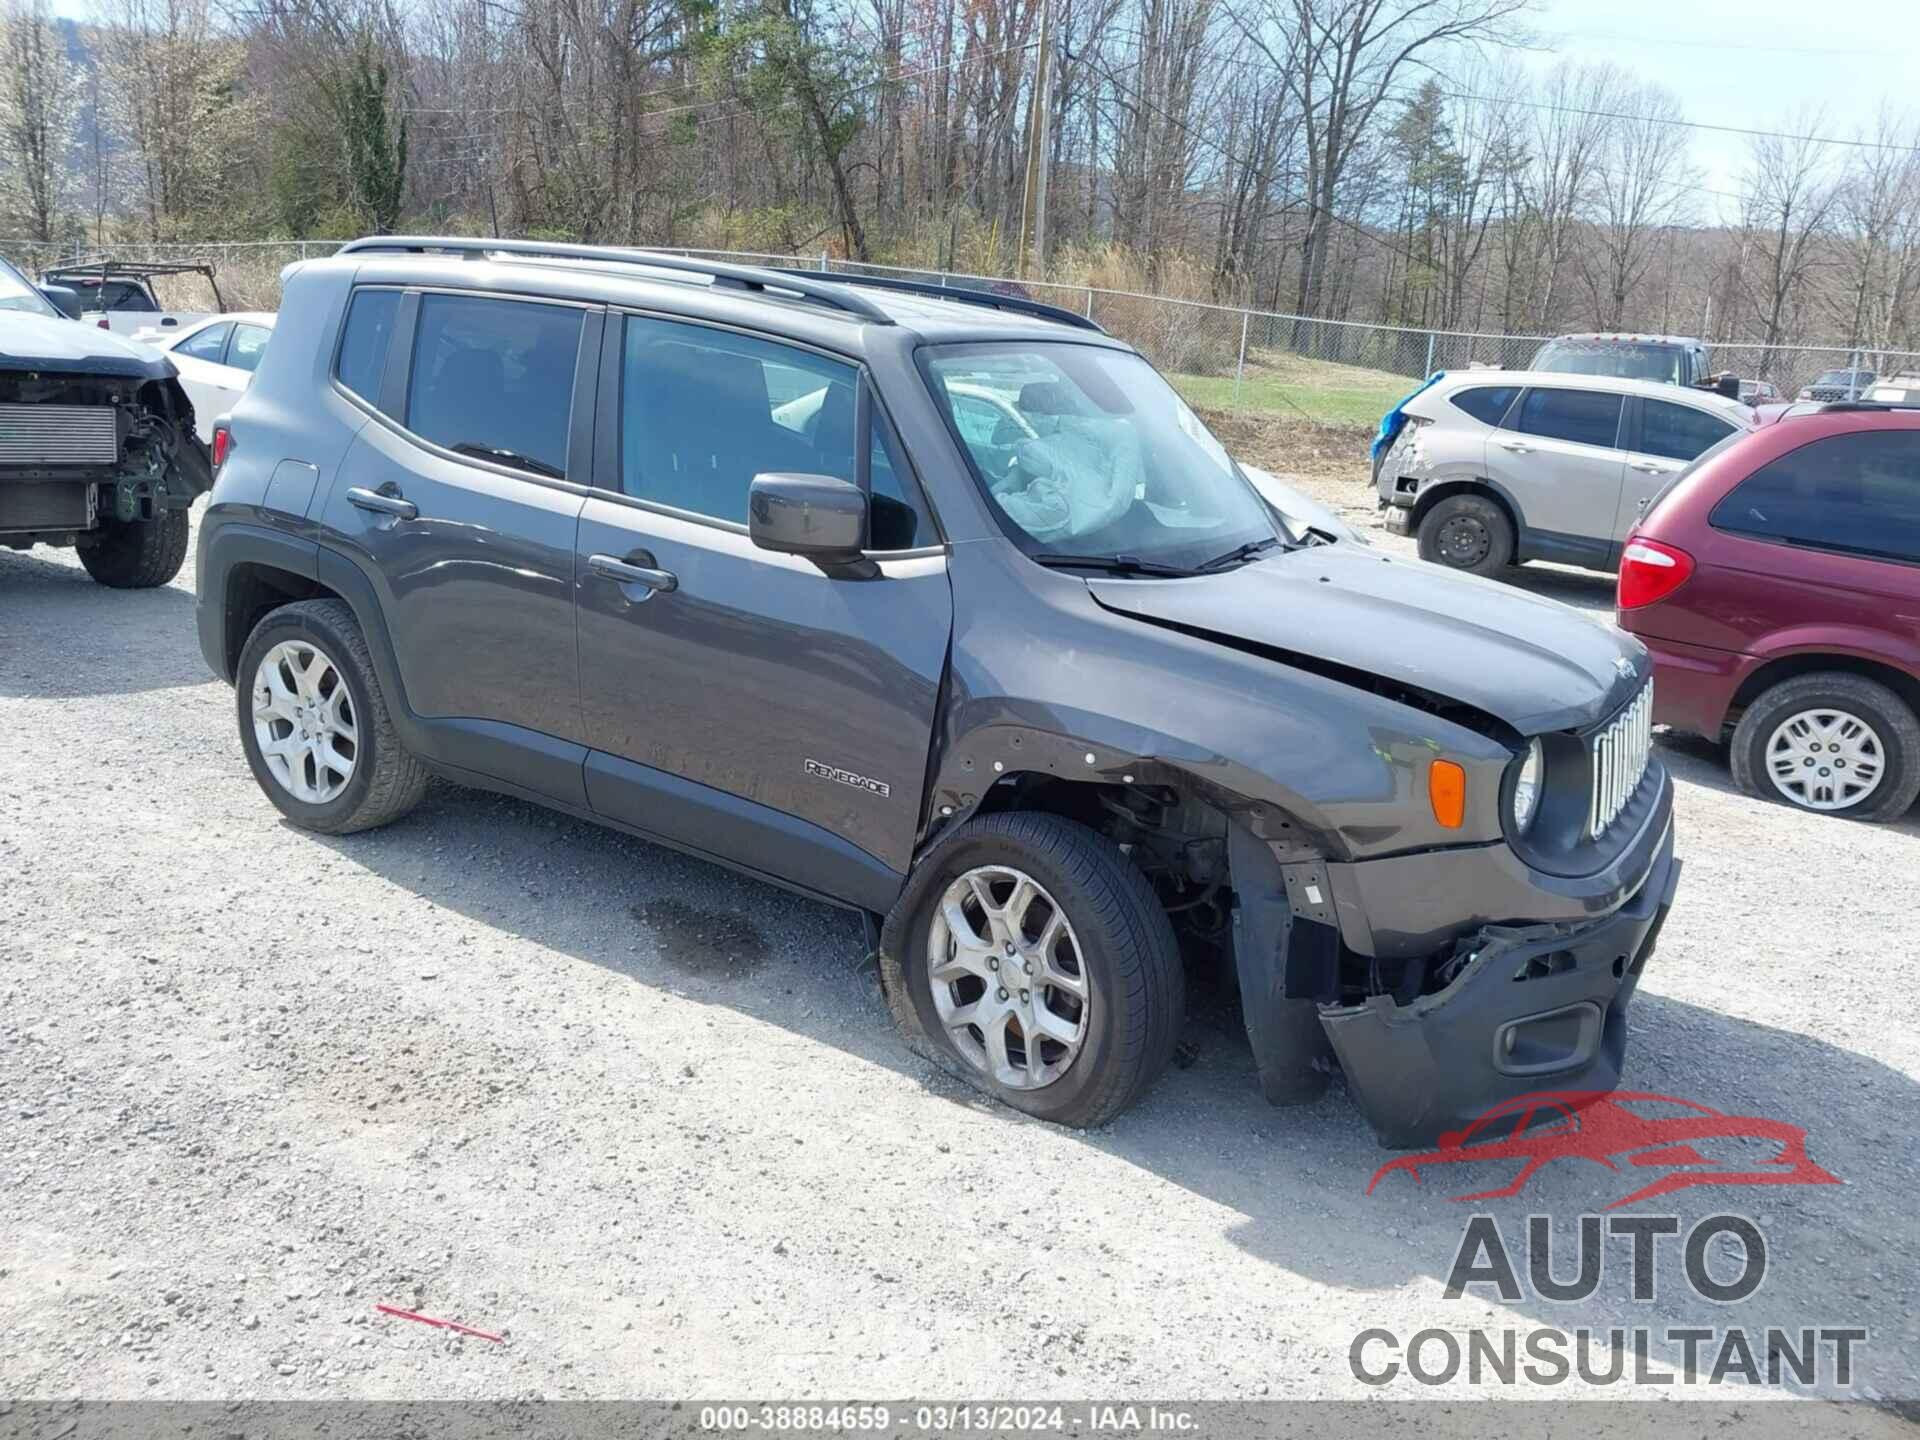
[{"x": 1447, "y": 793}]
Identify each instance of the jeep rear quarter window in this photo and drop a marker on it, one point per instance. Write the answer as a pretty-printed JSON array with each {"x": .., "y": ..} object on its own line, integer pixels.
[
  {"x": 1485, "y": 403},
  {"x": 1858, "y": 494},
  {"x": 363, "y": 344},
  {"x": 493, "y": 379},
  {"x": 703, "y": 411}
]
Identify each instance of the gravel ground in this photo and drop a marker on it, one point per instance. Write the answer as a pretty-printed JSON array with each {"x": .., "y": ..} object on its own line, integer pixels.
[{"x": 647, "y": 1120}]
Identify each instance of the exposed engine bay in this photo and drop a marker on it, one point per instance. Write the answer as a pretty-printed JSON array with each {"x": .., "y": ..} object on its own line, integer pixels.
[{"x": 79, "y": 450}]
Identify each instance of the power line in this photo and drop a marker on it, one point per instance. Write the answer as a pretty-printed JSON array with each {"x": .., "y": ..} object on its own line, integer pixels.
[{"x": 1672, "y": 120}]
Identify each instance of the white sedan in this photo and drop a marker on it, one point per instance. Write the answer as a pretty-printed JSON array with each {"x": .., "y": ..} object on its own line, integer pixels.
[{"x": 216, "y": 356}]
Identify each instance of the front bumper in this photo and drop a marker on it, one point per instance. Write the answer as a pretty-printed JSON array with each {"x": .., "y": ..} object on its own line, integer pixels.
[{"x": 1536, "y": 1007}]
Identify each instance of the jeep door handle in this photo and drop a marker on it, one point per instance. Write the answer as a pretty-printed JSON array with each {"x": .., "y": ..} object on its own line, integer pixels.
[
  {"x": 1516, "y": 447},
  {"x": 628, "y": 574},
  {"x": 394, "y": 505},
  {"x": 1650, "y": 468}
]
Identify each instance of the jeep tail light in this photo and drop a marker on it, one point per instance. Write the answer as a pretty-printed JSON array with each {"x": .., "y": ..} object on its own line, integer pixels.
[
  {"x": 222, "y": 444},
  {"x": 102, "y": 323},
  {"x": 1651, "y": 571}
]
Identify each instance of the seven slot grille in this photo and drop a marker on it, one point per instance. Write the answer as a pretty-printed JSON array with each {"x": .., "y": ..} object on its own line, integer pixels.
[{"x": 1619, "y": 756}]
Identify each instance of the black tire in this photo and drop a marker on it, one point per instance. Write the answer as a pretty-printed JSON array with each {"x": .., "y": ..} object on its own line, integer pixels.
[
  {"x": 136, "y": 554},
  {"x": 1127, "y": 951},
  {"x": 1467, "y": 532},
  {"x": 387, "y": 781},
  {"x": 1885, "y": 713}
]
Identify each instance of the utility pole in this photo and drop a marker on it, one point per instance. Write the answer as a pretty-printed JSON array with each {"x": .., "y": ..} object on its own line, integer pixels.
[{"x": 1033, "y": 209}]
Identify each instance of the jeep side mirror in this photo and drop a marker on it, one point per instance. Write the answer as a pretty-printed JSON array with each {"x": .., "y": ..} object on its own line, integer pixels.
[
  {"x": 819, "y": 517},
  {"x": 1728, "y": 385},
  {"x": 63, "y": 299}
]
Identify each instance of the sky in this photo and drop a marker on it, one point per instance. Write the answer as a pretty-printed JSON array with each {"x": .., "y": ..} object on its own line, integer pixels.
[{"x": 1757, "y": 64}]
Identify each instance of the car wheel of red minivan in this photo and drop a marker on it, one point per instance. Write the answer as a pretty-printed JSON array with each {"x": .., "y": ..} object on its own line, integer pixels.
[{"x": 1830, "y": 742}]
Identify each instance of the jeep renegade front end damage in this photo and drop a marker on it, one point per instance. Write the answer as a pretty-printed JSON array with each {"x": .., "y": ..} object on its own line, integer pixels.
[{"x": 944, "y": 607}]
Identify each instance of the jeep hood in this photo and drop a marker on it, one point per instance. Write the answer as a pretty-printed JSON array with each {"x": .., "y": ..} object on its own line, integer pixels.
[
  {"x": 57, "y": 345},
  {"x": 1535, "y": 664}
]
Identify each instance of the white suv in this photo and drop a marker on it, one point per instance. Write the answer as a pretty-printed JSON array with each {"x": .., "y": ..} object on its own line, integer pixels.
[{"x": 1494, "y": 467}]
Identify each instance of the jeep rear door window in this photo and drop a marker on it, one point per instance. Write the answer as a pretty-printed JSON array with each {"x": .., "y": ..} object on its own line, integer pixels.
[
  {"x": 1858, "y": 494},
  {"x": 1093, "y": 456},
  {"x": 493, "y": 379},
  {"x": 1585, "y": 417},
  {"x": 363, "y": 348},
  {"x": 703, "y": 411},
  {"x": 1485, "y": 403},
  {"x": 1678, "y": 432}
]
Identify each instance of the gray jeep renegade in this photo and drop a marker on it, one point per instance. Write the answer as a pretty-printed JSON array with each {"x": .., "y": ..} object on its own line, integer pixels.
[{"x": 942, "y": 606}]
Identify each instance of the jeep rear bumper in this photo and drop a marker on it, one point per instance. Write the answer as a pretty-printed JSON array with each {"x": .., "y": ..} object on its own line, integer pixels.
[{"x": 1535, "y": 1007}]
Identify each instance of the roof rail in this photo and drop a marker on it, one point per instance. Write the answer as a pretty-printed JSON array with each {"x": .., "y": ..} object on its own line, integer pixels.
[
  {"x": 738, "y": 277},
  {"x": 963, "y": 296}
]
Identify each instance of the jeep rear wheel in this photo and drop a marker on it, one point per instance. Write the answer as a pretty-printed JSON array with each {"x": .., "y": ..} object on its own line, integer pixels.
[
  {"x": 136, "y": 554},
  {"x": 1040, "y": 967},
  {"x": 1467, "y": 532},
  {"x": 315, "y": 726}
]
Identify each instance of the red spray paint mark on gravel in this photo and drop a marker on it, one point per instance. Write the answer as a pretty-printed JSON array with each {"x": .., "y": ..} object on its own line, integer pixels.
[{"x": 442, "y": 1324}]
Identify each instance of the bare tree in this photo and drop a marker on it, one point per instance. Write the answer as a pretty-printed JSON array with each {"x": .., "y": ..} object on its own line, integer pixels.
[
  {"x": 1876, "y": 204},
  {"x": 39, "y": 104},
  {"x": 1343, "y": 59},
  {"x": 1641, "y": 186},
  {"x": 1788, "y": 199},
  {"x": 175, "y": 105}
]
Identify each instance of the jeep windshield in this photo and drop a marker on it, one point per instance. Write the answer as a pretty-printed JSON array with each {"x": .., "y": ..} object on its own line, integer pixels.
[
  {"x": 1622, "y": 359},
  {"x": 18, "y": 295},
  {"x": 1090, "y": 459}
]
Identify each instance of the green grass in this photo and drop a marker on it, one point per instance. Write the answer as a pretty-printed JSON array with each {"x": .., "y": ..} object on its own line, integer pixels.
[{"x": 1286, "y": 386}]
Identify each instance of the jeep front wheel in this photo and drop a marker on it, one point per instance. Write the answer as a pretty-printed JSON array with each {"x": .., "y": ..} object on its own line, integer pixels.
[
  {"x": 136, "y": 554},
  {"x": 1040, "y": 966}
]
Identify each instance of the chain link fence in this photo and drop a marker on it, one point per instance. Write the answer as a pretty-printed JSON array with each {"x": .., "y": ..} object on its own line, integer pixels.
[{"x": 1253, "y": 362}]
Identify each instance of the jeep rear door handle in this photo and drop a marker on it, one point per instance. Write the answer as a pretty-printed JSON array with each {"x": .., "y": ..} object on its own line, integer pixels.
[
  {"x": 1651, "y": 468},
  {"x": 629, "y": 574},
  {"x": 1516, "y": 447},
  {"x": 373, "y": 500}
]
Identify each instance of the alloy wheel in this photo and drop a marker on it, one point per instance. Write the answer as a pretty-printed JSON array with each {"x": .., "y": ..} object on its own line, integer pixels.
[
  {"x": 1825, "y": 759},
  {"x": 1009, "y": 982},
  {"x": 304, "y": 722}
]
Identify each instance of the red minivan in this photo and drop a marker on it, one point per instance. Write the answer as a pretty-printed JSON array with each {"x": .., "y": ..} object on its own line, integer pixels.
[{"x": 1777, "y": 583}]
